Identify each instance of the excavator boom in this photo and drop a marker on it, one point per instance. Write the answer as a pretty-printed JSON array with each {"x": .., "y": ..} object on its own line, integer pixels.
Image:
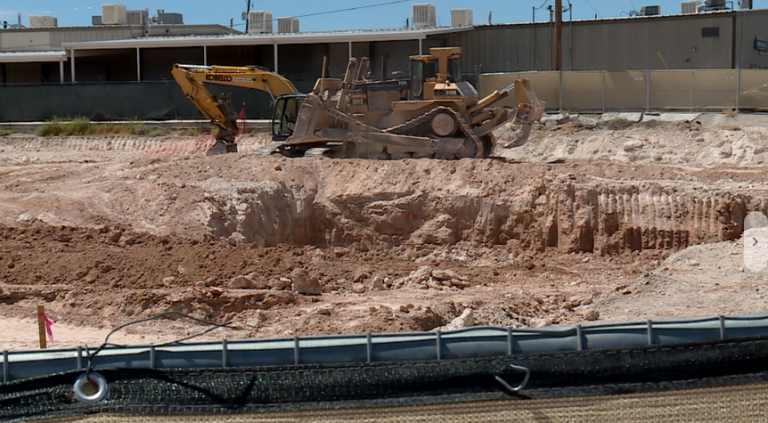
[{"x": 192, "y": 80}]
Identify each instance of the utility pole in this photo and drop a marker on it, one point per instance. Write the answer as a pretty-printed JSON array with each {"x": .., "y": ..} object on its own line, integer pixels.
[
  {"x": 247, "y": 14},
  {"x": 558, "y": 35}
]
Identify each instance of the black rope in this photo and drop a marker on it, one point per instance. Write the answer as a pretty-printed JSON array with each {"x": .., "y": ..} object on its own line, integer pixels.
[{"x": 106, "y": 342}]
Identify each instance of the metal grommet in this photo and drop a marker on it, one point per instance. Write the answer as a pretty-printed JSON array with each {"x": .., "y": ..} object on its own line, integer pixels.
[{"x": 90, "y": 390}]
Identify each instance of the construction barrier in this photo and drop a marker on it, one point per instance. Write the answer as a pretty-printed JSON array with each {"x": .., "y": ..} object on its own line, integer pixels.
[{"x": 600, "y": 91}]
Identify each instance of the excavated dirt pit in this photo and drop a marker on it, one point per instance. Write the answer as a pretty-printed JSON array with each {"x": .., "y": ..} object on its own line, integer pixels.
[{"x": 105, "y": 231}]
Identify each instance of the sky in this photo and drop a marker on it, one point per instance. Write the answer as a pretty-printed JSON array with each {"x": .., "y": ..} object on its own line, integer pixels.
[{"x": 391, "y": 14}]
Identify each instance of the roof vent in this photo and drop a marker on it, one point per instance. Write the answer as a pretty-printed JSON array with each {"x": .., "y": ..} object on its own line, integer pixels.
[
  {"x": 424, "y": 15},
  {"x": 654, "y": 10},
  {"x": 461, "y": 17},
  {"x": 715, "y": 5},
  {"x": 134, "y": 17},
  {"x": 43, "y": 22},
  {"x": 260, "y": 22},
  {"x": 113, "y": 14},
  {"x": 689, "y": 6},
  {"x": 287, "y": 25}
]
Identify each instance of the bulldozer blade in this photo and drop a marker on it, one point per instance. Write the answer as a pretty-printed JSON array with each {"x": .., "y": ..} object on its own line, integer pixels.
[{"x": 305, "y": 121}]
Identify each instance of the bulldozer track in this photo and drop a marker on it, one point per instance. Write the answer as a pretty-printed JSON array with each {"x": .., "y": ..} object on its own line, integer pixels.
[
  {"x": 413, "y": 123},
  {"x": 463, "y": 124}
]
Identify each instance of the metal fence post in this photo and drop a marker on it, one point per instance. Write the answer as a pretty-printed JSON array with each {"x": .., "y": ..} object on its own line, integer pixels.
[
  {"x": 648, "y": 90},
  {"x": 693, "y": 76},
  {"x": 561, "y": 91},
  {"x": 738, "y": 88},
  {"x": 603, "y": 75}
]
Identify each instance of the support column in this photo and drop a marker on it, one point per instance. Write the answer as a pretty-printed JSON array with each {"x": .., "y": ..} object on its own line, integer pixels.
[
  {"x": 61, "y": 72},
  {"x": 420, "y": 53},
  {"x": 350, "y": 49},
  {"x": 274, "y": 48},
  {"x": 205, "y": 55},
  {"x": 72, "y": 65},
  {"x": 138, "y": 65}
]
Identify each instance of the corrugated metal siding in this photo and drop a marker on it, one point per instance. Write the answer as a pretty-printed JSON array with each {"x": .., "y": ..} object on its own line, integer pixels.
[
  {"x": 613, "y": 45},
  {"x": 25, "y": 41},
  {"x": 755, "y": 24},
  {"x": 105, "y": 33}
]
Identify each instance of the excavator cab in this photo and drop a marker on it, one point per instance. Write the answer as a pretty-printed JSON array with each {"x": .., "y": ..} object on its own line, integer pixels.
[{"x": 284, "y": 116}]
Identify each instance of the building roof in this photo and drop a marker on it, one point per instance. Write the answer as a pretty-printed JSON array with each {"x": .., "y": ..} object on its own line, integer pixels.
[
  {"x": 624, "y": 19},
  {"x": 268, "y": 39},
  {"x": 34, "y": 57}
]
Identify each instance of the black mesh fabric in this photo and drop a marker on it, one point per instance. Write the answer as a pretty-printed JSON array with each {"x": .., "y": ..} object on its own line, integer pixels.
[{"x": 314, "y": 387}]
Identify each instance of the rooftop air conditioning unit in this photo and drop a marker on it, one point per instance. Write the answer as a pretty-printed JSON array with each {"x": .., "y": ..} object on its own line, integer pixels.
[
  {"x": 424, "y": 15},
  {"x": 715, "y": 4},
  {"x": 689, "y": 6},
  {"x": 260, "y": 22},
  {"x": 134, "y": 17},
  {"x": 654, "y": 10},
  {"x": 461, "y": 17},
  {"x": 43, "y": 22},
  {"x": 113, "y": 14},
  {"x": 287, "y": 25},
  {"x": 745, "y": 4}
]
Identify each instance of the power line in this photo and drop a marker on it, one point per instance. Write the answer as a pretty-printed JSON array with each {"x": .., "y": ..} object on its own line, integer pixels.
[
  {"x": 353, "y": 8},
  {"x": 349, "y": 9},
  {"x": 593, "y": 8}
]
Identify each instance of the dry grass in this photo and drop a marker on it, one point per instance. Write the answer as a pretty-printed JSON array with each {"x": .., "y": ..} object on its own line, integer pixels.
[
  {"x": 81, "y": 125},
  {"x": 730, "y": 112},
  {"x": 4, "y": 132}
]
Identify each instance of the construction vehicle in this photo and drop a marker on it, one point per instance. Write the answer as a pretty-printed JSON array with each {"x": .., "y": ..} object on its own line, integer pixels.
[
  {"x": 192, "y": 80},
  {"x": 434, "y": 113}
]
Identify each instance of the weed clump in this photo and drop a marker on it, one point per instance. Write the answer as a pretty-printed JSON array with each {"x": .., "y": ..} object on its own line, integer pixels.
[{"x": 81, "y": 125}]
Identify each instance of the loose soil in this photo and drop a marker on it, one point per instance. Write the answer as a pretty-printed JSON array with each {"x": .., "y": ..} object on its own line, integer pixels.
[{"x": 104, "y": 231}]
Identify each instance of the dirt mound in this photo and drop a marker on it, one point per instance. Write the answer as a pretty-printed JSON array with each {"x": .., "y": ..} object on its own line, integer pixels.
[
  {"x": 712, "y": 279},
  {"x": 669, "y": 144}
]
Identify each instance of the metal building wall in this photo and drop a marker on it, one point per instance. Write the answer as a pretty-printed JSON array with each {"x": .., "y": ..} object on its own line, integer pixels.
[
  {"x": 156, "y": 64},
  {"x": 613, "y": 45},
  {"x": 25, "y": 41},
  {"x": 636, "y": 43},
  {"x": 755, "y": 24},
  {"x": 92, "y": 34}
]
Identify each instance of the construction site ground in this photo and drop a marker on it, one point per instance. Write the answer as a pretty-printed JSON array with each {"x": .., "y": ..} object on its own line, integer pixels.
[{"x": 624, "y": 221}]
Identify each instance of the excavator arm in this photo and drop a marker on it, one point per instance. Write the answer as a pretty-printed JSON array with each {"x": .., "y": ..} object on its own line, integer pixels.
[{"x": 192, "y": 80}]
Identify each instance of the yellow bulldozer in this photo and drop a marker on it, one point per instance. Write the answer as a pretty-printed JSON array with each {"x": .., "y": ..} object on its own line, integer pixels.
[{"x": 433, "y": 113}]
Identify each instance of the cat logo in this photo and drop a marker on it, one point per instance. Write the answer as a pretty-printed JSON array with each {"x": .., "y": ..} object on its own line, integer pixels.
[{"x": 221, "y": 78}]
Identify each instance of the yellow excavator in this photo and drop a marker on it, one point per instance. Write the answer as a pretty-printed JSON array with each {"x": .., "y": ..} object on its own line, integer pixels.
[
  {"x": 434, "y": 113},
  {"x": 192, "y": 80}
]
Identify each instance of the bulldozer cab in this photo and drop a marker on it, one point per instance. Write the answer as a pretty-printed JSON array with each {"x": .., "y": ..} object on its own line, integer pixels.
[
  {"x": 284, "y": 116},
  {"x": 441, "y": 65}
]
